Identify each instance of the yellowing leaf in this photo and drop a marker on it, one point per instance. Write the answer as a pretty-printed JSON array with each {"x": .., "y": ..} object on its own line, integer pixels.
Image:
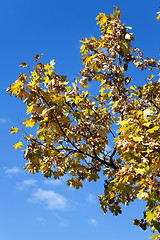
[
  {"x": 115, "y": 105},
  {"x": 102, "y": 89},
  {"x": 47, "y": 66},
  {"x": 140, "y": 171},
  {"x": 36, "y": 57},
  {"x": 138, "y": 64},
  {"x": 18, "y": 145},
  {"x": 133, "y": 88},
  {"x": 122, "y": 122},
  {"x": 23, "y": 64},
  {"x": 128, "y": 27},
  {"x": 13, "y": 130},
  {"x": 153, "y": 129},
  {"x": 158, "y": 17},
  {"x": 150, "y": 77},
  {"x": 29, "y": 123},
  {"x": 83, "y": 50},
  {"x": 29, "y": 110},
  {"x": 147, "y": 124},
  {"x": 14, "y": 89},
  {"x": 101, "y": 19},
  {"x": 140, "y": 112},
  {"x": 46, "y": 80},
  {"x": 109, "y": 30},
  {"x": 137, "y": 139},
  {"x": 78, "y": 99},
  {"x": 33, "y": 81}
]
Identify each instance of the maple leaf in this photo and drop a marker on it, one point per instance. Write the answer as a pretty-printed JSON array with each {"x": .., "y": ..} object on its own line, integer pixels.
[
  {"x": 83, "y": 50},
  {"x": 23, "y": 64},
  {"x": 153, "y": 129},
  {"x": 158, "y": 17},
  {"x": 18, "y": 145},
  {"x": 36, "y": 57},
  {"x": 138, "y": 139},
  {"x": 13, "y": 130},
  {"x": 15, "y": 88},
  {"x": 29, "y": 123},
  {"x": 150, "y": 77}
]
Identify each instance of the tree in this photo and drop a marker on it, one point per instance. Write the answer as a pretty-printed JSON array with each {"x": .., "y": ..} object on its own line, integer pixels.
[{"x": 75, "y": 128}]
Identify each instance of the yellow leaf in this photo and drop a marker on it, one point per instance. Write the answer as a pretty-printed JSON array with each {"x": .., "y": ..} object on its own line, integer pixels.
[
  {"x": 18, "y": 145},
  {"x": 147, "y": 124},
  {"x": 101, "y": 19},
  {"x": 13, "y": 130},
  {"x": 116, "y": 103},
  {"x": 158, "y": 17},
  {"x": 128, "y": 27},
  {"x": 150, "y": 77},
  {"x": 29, "y": 123},
  {"x": 78, "y": 99},
  {"x": 138, "y": 64},
  {"x": 29, "y": 110},
  {"x": 122, "y": 122},
  {"x": 14, "y": 89},
  {"x": 153, "y": 129},
  {"x": 83, "y": 50},
  {"x": 23, "y": 64},
  {"x": 102, "y": 89},
  {"x": 46, "y": 80},
  {"x": 109, "y": 30},
  {"x": 133, "y": 88},
  {"x": 47, "y": 66},
  {"x": 137, "y": 139},
  {"x": 140, "y": 112},
  {"x": 140, "y": 171}
]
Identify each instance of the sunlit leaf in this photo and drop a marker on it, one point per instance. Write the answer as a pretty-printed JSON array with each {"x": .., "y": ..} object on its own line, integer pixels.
[
  {"x": 150, "y": 77},
  {"x": 13, "y": 130},
  {"x": 36, "y": 57},
  {"x": 138, "y": 139},
  {"x": 153, "y": 129},
  {"x": 29, "y": 123},
  {"x": 23, "y": 64},
  {"x": 18, "y": 145},
  {"x": 158, "y": 17}
]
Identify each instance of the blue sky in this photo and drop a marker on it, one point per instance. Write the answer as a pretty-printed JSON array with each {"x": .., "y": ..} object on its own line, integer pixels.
[{"x": 32, "y": 207}]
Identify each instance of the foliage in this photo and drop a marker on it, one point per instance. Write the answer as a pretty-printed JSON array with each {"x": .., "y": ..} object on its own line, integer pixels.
[{"x": 74, "y": 128}]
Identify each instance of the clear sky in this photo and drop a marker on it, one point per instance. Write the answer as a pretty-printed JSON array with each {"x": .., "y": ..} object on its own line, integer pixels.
[{"x": 32, "y": 207}]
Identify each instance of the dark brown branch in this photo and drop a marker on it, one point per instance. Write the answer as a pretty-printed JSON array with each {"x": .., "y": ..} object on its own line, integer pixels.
[
  {"x": 154, "y": 104},
  {"x": 77, "y": 149},
  {"x": 111, "y": 159}
]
